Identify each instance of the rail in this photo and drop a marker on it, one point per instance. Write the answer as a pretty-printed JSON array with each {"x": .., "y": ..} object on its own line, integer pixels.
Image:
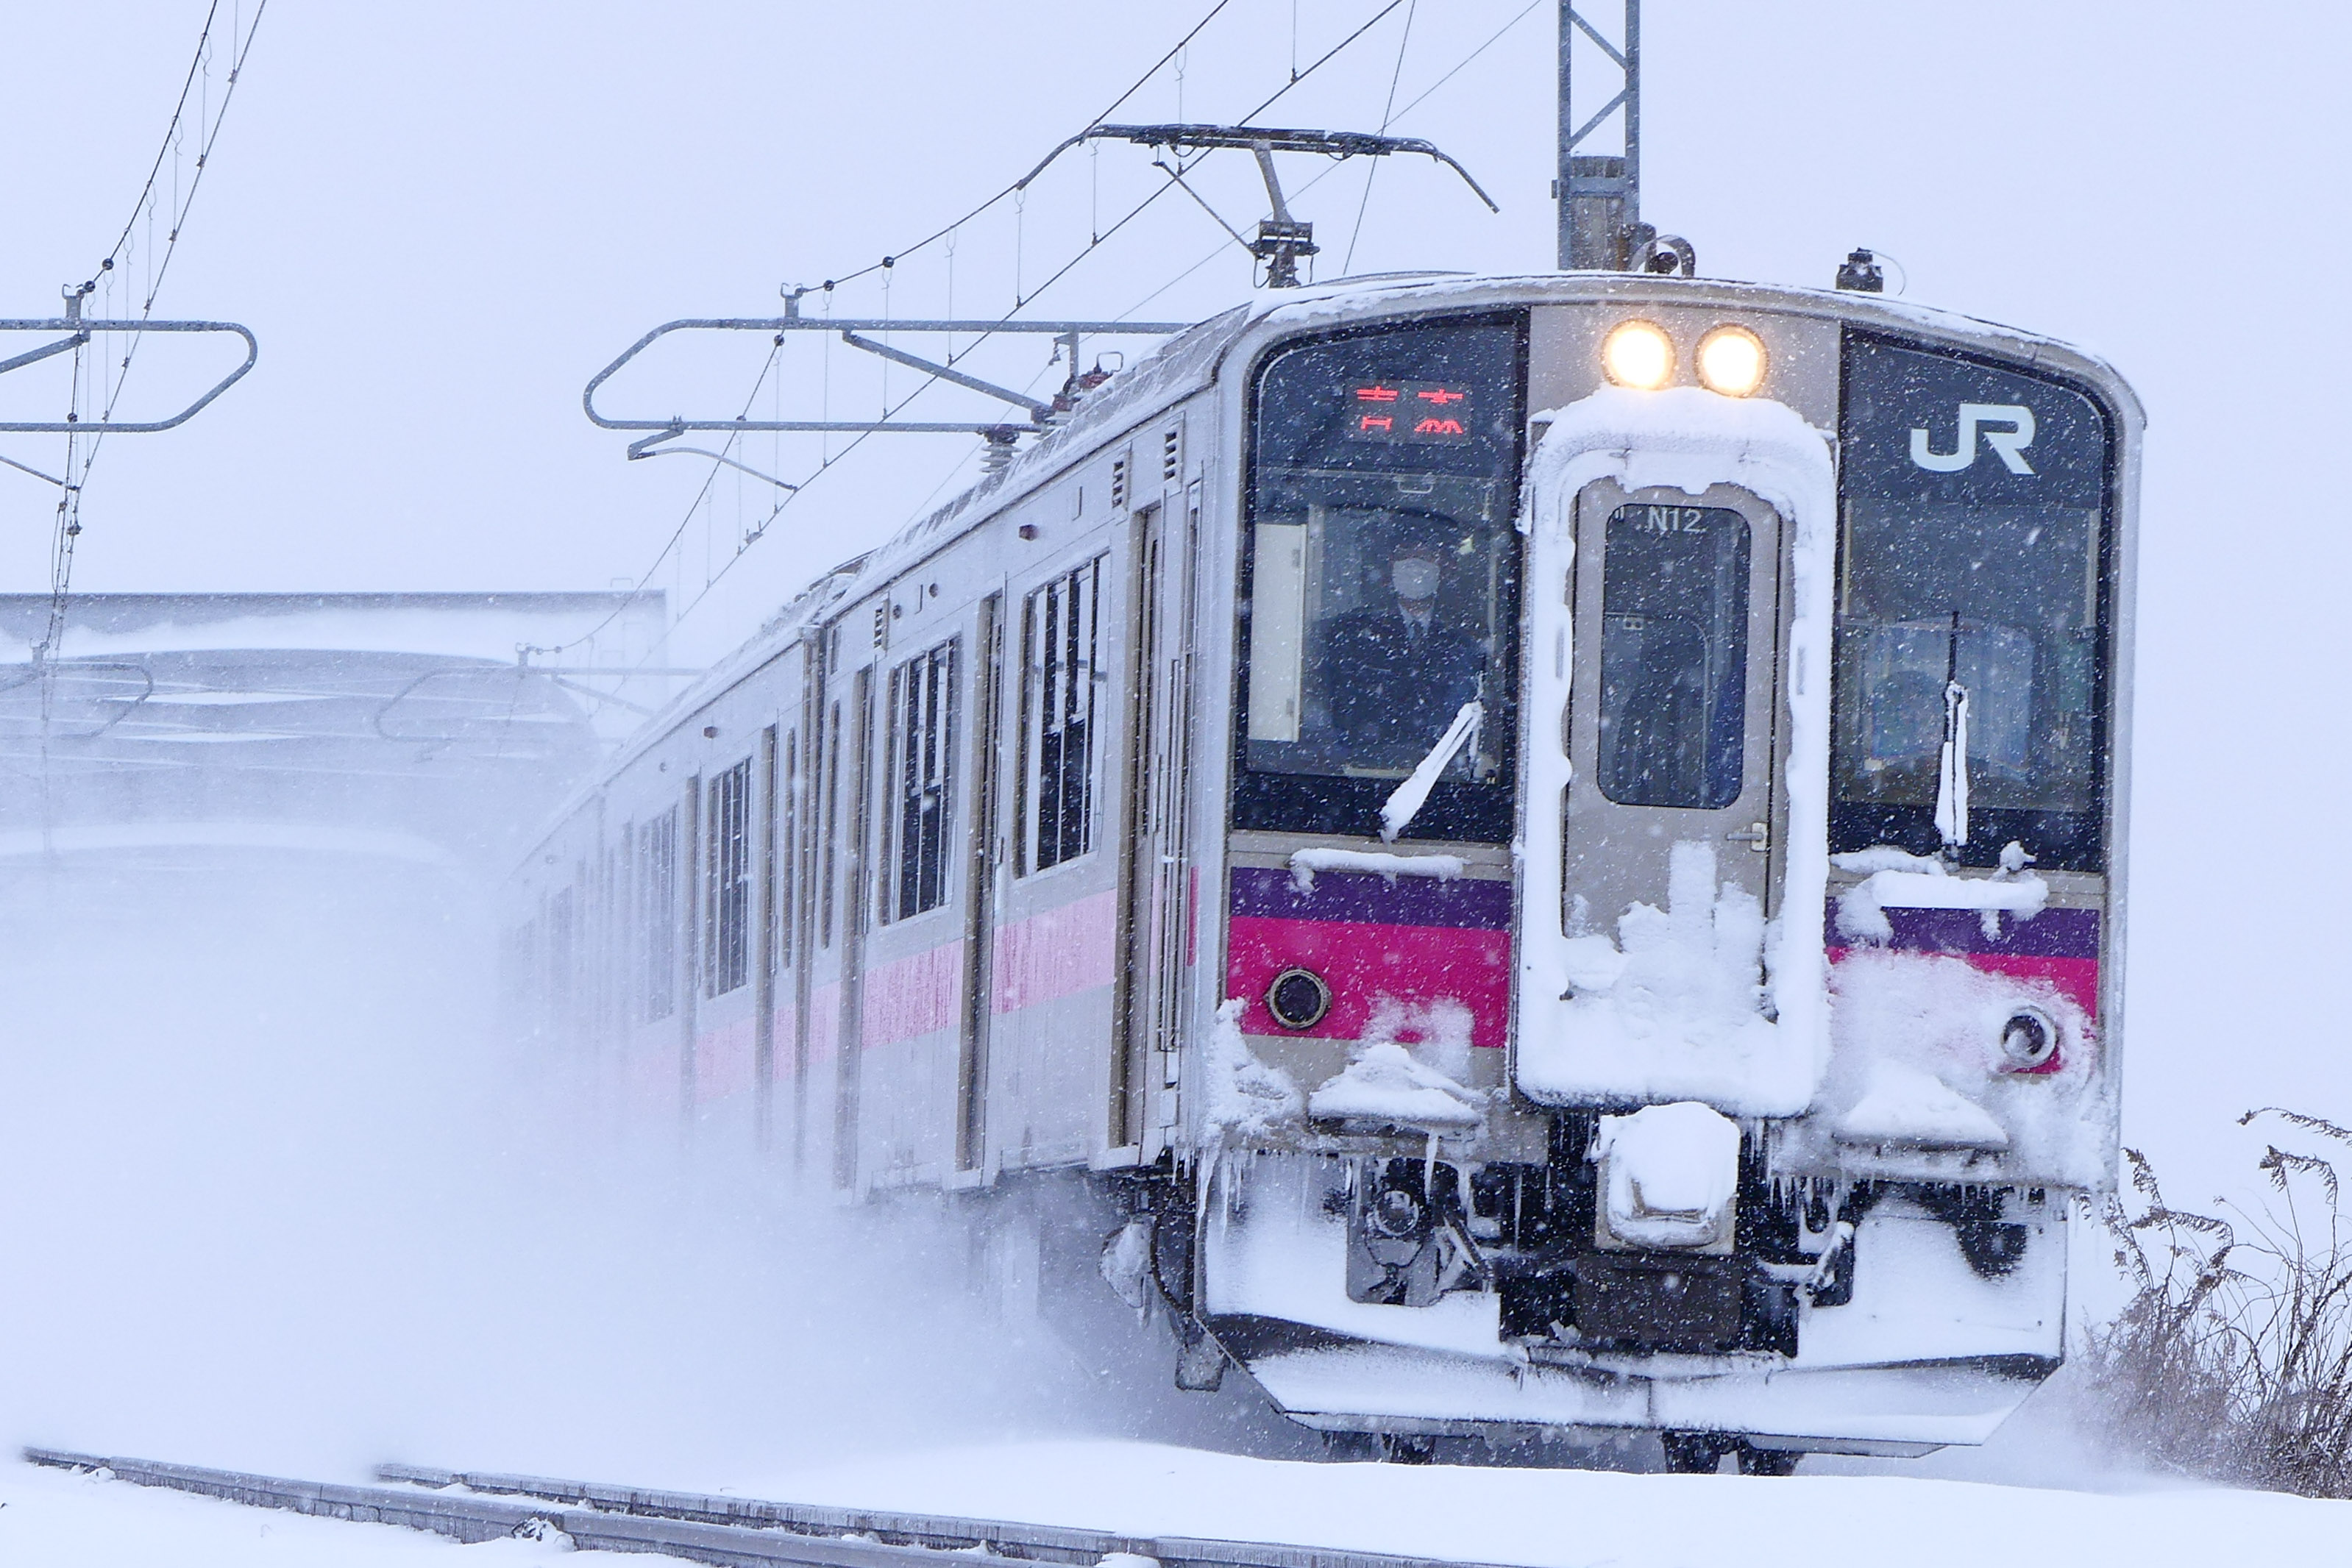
[{"x": 737, "y": 1533}]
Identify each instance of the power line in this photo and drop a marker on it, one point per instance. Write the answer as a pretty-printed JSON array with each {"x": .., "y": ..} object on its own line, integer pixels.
[
  {"x": 1112, "y": 108},
  {"x": 1496, "y": 38},
  {"x": 1023, "y": 300},
  {"x": 94, "y": 377},
  {"x": 1387, "y": 116}
]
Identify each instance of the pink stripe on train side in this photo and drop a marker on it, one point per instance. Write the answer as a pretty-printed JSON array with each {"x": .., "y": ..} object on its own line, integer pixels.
[
  {"x": 825, "y": 1022},
  {"x": 912, "y": 996},
  {"x": 723, "y": 1064},
  {"x": 2077, "y": 979},
  {"x": 1364, "y": 961},
  {"x": 1056, "y": 953},
  {"x": 780, "y": 1063}
]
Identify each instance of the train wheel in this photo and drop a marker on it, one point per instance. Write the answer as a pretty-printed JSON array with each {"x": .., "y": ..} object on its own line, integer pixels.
[
  {"x": 1353, "y": 1447},
  {"x": 1408, "y": 1448},
  {"x": 1693, "y": 1453},
  {"x": 1768, "y": 1461}
]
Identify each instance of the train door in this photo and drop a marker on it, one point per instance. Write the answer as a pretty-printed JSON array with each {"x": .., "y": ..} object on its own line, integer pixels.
[
  {"x": 984, "y": 896},
  {"x": 768, "y": 784},
  {"x": 1158, "y": 895},
  {"x": 856, "y": 766},
  {"x": 689, "y": 947},
  {"x": 1672, "y": 716}
]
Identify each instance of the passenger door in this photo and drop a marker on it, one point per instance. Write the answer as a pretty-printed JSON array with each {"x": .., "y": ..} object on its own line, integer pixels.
[{"x": 1673, "y": 724}]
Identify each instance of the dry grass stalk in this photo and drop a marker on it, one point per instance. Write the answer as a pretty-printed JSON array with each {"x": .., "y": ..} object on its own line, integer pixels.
[{"x": 2233, "y": 1358}]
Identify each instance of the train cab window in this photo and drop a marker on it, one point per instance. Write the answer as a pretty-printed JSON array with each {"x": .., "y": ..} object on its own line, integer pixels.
[
  {"x": 1673, "y": 656},
  {"x": 1970, "y": 607},
  {"x": 1383, "y": 586},
  {"x": 922, "y": 745}
]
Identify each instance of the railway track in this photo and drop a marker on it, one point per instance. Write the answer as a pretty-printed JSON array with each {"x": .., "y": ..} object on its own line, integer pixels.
[{"x": 735, "y": 1532}]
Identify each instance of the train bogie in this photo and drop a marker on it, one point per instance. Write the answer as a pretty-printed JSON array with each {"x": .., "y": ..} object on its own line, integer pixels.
[{"x": 1553, "y": 845}]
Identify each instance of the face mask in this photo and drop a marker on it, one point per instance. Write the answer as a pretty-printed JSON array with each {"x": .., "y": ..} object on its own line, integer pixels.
[{"x": 1414, "y": 578}]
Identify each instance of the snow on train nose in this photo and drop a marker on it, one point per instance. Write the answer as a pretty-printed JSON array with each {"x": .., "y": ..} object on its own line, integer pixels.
[{"x": 1667, "y": 1177}]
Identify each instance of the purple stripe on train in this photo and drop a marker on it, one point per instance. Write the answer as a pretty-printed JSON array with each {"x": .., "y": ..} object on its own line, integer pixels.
[
  {"x": 1369, "y": 896},
  {"x": 2053, "y": 934}
]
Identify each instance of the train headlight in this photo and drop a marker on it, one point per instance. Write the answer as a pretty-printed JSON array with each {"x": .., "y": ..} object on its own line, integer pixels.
[
  {"x": 1638, "y": 354},
  {"x": 1732, "y": 360}
]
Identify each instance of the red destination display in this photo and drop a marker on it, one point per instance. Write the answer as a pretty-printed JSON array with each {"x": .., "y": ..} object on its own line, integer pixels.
[{"x": 1408, "y": 412}]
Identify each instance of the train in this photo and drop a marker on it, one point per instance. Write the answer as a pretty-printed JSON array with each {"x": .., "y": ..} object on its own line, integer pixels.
[{"x": 1536, "y": 857}]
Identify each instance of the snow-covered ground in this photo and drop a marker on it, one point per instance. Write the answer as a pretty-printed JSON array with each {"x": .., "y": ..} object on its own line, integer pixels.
[
  {"x": 1536, "y": 1517},
  {"x": 56, "y": 1518}
]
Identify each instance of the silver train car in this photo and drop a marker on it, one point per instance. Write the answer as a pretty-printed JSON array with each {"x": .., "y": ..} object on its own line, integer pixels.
[{"x": 1546, "y": 852}]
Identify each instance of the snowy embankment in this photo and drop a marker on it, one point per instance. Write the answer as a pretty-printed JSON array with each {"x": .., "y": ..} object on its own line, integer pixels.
[{"x": 1534, "y": 1517}]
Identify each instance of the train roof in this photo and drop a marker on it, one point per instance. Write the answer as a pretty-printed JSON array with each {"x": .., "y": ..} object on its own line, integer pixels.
[{"x": 1192, "y": 359}]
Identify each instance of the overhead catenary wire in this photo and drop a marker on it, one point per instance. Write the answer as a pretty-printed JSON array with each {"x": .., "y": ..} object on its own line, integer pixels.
[
  {"x": 1388, "y": 117},
  {"x": 1012, "y": 190},
  {"x": 96, "y": 380},
  {"x": 1024, "y": 297},
  {"x": 1423, "y": 97}
]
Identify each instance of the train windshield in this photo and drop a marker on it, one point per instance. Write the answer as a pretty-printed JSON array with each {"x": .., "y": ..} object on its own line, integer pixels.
[
  {"x": 1381, "y": 597},
  {"x": 1969, "y": 613}
]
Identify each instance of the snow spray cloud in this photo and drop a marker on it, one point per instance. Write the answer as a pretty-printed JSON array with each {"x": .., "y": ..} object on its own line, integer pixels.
[{"x": 273, "y": 1193}]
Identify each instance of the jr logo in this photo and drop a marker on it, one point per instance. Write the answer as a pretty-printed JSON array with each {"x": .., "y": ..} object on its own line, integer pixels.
[{"x": 2009, "y": 444}]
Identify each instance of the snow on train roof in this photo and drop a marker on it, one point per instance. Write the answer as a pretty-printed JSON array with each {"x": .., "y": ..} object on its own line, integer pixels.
[{"x": 1190, "y": 361}]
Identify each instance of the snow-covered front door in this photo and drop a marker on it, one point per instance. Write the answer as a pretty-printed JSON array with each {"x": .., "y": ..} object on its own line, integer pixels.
[{"x": 1673, "y": 700}]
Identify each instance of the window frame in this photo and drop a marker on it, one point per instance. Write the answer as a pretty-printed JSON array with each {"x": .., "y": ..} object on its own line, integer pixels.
[
  {"x": 653, "y": 899},
  {"x": 1457, "y": 810},
  {"x": 922, "y": 708},
  {"x": 727, "y": 880},
  {"x": 1030, "y": 800},
  {"x": 2061, "y": 840}
]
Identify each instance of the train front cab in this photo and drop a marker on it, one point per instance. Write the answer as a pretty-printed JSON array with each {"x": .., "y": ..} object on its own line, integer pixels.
[{"x": 1671, "y": 955}]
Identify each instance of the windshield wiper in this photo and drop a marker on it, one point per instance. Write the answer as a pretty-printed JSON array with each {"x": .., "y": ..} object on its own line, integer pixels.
[
  {"x": 1952, "y": 763},
  {"x": 1398, "y": 810}
]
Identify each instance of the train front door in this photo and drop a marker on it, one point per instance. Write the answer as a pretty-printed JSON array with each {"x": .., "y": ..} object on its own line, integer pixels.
[{"x": 1675, "y": 732}]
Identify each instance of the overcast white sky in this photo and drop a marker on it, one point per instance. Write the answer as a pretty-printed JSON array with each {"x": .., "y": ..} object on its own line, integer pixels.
[{"x": 441, "y": 218}]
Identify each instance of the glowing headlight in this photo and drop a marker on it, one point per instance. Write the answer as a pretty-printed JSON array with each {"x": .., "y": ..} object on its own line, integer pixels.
[
  {"x": 1638, "y": 354},
  {"x": 1731, "y": 361}
]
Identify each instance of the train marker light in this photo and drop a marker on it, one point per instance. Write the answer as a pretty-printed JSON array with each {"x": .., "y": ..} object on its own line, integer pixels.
[
  {"x": 1638, "y": 354},
  {"x": 2028, "y": 1041},
  {"x": 1298, "y": 999},
  {"x": 1732, "y": 360}
]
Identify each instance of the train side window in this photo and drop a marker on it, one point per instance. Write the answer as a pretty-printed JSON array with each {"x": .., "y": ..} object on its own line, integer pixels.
[
  {"x": 656, "y": 917},
  {"x": 921, "y": 741},
  {"x": 1060, "y": 633},
  {"x": 1673, "y": 656},
  {"x": 726, "y": 882}
]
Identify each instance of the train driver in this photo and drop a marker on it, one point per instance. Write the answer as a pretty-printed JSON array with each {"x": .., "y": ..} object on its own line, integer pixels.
[{"x": 1394, "y": 674}]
